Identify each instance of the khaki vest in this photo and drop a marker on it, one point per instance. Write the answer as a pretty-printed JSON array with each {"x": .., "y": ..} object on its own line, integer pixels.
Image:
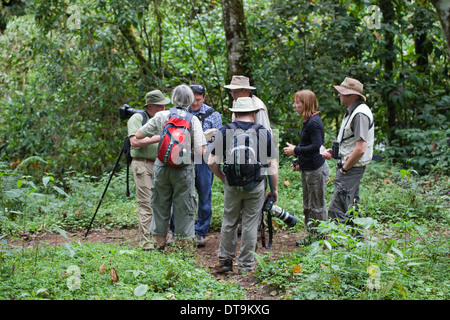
[{"x": 346, "y": 137}]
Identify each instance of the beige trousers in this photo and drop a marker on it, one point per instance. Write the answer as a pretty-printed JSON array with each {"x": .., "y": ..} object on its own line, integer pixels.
[{"x": 143, "y": 179}]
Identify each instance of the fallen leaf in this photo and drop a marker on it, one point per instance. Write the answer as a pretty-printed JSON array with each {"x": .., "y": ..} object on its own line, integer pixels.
[
  {"x": 102, "y": 268},
  {"x": 297, "y": 269},
  {"x": 113, "y": 274}
]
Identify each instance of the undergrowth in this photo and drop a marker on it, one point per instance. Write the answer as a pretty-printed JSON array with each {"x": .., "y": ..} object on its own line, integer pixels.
[{"x": 404, "y": 255}]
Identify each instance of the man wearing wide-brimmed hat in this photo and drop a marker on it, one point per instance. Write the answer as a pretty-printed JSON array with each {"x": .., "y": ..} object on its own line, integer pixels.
[
  {"x": 240, "y": 87},
  {"x": 144, "y": 152},
  {"x": 356, "y": 139},
  {"x": 246, "y": 198}
]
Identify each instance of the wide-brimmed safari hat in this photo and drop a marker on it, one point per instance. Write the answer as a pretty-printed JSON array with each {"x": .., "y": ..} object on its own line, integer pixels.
[
  {"x": 351, "y": 86},
  {"x": 239, "y": 82},
  {"x": 244, "y": 104},
  {"x": 156, "y": 97}
]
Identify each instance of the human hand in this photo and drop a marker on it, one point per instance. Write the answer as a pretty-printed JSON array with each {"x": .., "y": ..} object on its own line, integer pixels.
[
  {"x": 328, "y": 155},
  {"x": 275, "y": 195},
  {"x": 289, "y": 150},
  {"x": 209, "y": 134}
]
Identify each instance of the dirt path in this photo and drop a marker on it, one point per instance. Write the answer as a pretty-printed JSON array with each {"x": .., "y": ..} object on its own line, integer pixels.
[{"x": 283, "y": 242}]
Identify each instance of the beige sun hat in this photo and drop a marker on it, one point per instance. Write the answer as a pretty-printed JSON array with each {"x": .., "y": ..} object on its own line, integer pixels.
[
  {"x": 239, "y": 82},
  {"x": 351, "y": 86},
  {"x": 244, "y": 104},
  {"x": 156, "y": 97}
]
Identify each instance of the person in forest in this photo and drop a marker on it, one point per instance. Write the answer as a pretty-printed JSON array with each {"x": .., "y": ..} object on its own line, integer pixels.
[
  {"x": 173, "y": 187},
  {"x": 211, "y": 121},
  {"x": 314, "y": 169},
  {"x": 244, "y": 193},
  {"x": 240, "y": 87},
  {"x": 143, "y": 153},
  {"x": 356, "y": 139}
]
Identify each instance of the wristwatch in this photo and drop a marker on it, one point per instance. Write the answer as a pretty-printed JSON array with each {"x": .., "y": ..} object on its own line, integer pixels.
[{"x": 343, "y": 170}]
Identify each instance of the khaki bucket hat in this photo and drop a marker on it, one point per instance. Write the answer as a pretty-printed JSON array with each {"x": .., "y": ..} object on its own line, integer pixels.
[
  {"x": 244, "y": 104},
  {"x": 156, "y": 97},
  {"x": 351, "y": 86},
  {"x": 239, "y": 82}
]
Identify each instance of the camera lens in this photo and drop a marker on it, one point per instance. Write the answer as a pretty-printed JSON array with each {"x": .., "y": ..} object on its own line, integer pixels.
[{"x": 282, "y": 214}]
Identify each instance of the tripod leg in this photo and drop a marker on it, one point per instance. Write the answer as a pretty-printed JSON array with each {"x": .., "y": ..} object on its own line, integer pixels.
[{"x": 104, "y": 192}]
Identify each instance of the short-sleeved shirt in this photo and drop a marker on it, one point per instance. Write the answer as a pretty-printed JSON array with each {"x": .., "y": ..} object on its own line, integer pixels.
[
  {"x": 156, "y": 124},
  {"x": 147, "y": 152},
  {"x": 360, "y": 124}
]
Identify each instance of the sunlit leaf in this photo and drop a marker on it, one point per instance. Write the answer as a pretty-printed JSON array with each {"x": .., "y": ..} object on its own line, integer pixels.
[
  {"x": 141, "y": 290},
  {"x": 297, "y": 269}
]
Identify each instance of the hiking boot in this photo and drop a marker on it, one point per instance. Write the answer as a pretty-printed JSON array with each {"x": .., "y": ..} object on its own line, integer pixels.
[
  {"x": 170, "y": 239},
  {"x": 200, "y": 242},
  {"x": 224, "y": 267}
]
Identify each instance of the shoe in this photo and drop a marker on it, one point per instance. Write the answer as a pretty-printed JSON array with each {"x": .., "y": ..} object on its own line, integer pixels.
[
  {"x": 224, "y": 267},
  {"x": 170, "y": 240},
  {"x": 200, "y": 242}
]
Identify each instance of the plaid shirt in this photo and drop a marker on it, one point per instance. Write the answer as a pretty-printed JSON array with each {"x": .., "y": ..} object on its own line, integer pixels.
[{"x": 212, "y": 121}]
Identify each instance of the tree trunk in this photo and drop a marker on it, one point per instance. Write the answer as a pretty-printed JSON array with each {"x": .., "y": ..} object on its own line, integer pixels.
[
  {"x": 236, "y": 38},
  {"x": 389, "y": 19},
  {"x": 129, "y": 35},
  {"x": 443, "y": 10}
]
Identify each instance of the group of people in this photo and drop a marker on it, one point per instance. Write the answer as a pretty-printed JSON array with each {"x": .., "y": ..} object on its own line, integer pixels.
[
  {"x": 167, "y": 196},
  {"x": 354, "y": 151}
]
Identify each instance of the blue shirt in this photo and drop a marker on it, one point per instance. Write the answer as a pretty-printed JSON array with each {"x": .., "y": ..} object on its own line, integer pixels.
[{"x": 214, "y": 120}]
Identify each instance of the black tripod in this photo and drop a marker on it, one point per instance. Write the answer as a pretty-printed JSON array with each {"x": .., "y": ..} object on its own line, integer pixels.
[{"x": 107, "y": 185}]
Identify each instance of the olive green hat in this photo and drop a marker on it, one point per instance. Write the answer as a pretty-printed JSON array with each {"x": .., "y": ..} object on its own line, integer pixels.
[{"x": 156, "y": 97}]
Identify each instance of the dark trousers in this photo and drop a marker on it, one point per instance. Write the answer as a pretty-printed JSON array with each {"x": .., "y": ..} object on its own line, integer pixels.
[{"x": 346, "y": 195}]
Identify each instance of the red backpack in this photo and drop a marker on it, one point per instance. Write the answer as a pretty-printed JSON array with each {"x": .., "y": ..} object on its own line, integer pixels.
[{"x": 175, "y": 146}]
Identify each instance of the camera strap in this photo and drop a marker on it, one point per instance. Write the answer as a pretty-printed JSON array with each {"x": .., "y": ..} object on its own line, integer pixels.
[{"x": 269, "y": 223}]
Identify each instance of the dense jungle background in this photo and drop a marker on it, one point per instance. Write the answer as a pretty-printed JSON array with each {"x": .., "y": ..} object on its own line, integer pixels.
[{"x": 66, "y": 67}]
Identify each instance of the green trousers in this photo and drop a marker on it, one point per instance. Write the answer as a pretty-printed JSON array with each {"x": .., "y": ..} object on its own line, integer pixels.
[
  {"x": 249, "y": 203},
  {"x": 173, "y": 189}
]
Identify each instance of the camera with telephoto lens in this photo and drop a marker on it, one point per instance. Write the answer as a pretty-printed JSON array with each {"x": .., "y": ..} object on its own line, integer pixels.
[
  {"x": 278, "y": 212},
  {"x": 126, "y": 111},
  {"x": 335, "y": 150}
]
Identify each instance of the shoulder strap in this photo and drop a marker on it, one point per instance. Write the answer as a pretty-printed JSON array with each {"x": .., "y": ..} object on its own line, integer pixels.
[
  {"x": 206, "y": 114},
  {"x": 203, "y": 116},
  {"x": 174, "y": 114},
  {"x": 231, "y": 125},
  {"x": 145, "y": 116}
]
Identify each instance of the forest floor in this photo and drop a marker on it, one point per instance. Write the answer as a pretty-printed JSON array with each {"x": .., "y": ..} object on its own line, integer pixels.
[{"x": 283, "y": 243}]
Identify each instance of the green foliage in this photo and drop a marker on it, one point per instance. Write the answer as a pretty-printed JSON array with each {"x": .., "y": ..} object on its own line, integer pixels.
[
  {"x": 405, "y": 217},
  {"x": 404, "y": 264},
  {"x": 83, "y": 272}
]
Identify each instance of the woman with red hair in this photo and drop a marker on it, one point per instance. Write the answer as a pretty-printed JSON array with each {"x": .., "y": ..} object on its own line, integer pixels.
[{"x": 313, "y": 167}]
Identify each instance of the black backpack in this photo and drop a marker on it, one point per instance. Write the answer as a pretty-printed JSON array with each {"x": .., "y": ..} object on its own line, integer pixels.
[
  {"x": 127, "y": 150},
  {"x": 241, "y": 164}
]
